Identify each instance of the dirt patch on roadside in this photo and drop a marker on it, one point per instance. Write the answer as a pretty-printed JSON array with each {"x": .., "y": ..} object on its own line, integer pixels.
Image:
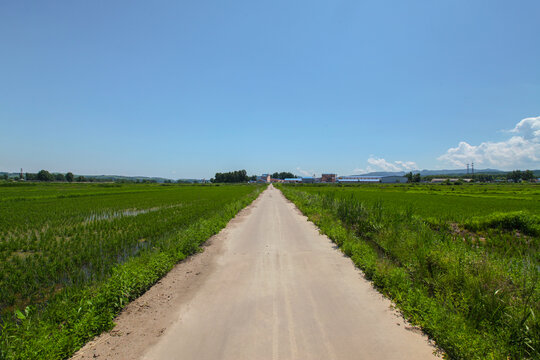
[{"x": 458, "y": 231}]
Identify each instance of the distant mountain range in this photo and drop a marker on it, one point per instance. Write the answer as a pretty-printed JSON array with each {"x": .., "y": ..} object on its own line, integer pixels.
[
  {"x": 453, "y": 172},
  {"x": 457, "y": 172},
  {"x": 134, "y": 178},
  {"x": 114, "y": 177}
]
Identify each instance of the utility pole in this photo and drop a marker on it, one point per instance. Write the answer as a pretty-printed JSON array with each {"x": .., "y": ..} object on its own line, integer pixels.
[
  {"x": 21, "y": 175},
  {"x": 472, "y": 167},
  {"x": 467, "y": 168}
]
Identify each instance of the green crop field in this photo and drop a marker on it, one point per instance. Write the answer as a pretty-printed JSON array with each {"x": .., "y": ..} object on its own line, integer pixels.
[
  {"x": 460, "y": 261},
  {"x": 72, "y": 255}
]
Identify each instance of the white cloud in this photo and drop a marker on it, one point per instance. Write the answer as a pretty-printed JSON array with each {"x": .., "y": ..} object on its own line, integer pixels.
[
  {"x": 529, "y": 128},
  {"x": 383, "y": 164},
  {"x": 407, "y": 165},
  {"x": 305, "y": 172},
  {"x": 380, "y": 164},
  {"x": 519, "y": 151}
]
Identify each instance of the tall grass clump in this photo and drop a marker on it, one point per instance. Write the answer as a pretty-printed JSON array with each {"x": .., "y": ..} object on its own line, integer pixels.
[{"x": 523, "y": 221}]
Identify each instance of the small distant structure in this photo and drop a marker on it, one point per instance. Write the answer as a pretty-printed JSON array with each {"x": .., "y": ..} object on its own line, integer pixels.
[
  {"x": 264, "y": 178},
  {"x": 21, "y": 176},
  {"x": 292, "y": 180},
  {"x": 359, "y": 179},
  {"x": 328, "y": 178},
  {"x": 371, "y": 179},
  {"x": 438, "y": 181},
  {"x": 308, "y": 180}
]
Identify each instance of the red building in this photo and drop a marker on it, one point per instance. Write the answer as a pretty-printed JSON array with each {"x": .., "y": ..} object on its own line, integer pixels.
[{"x": 328, "y": 178}]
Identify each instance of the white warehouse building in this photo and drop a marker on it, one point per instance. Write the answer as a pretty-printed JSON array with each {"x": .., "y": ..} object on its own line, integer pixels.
[{"x": 354, "y": 179}]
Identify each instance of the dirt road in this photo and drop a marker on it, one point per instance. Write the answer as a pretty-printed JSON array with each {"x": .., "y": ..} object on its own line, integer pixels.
[{"x": 269, "y": 287}]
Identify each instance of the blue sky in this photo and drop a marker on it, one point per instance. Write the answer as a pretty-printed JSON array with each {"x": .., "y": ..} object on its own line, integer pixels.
[{"x": 184, "y": 89}]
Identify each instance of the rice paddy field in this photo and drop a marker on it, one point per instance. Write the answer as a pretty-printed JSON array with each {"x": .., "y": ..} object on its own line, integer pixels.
[
  {"x": 72, "y": 255},
  {"x": 460, "y": 261}
]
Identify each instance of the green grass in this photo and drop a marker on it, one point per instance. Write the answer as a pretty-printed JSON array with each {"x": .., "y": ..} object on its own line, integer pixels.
[
  {"x": 464, "y": 267},
  {"x": 523, "y": 221},
  {"x": 72, "y": 255}
]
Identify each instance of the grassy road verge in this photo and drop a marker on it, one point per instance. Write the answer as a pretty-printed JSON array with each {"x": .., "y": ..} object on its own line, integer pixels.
[{"x": 475, "y": 293}]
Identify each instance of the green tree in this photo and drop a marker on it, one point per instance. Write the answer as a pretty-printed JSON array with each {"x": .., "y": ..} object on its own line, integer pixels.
[
  {"x": 413, "y": 178},
  {"x": 44, "y": 175},
  {"x": 409, "y": 176},
  {"x": 527, "y": 175},
  {"x": 59, "y": 177},
  {"x": 515, "y": 175},
  {"x": 238, "y": 176},
  {"x": 283, "y": 175},
  {"x": 81, "y": 179},
  {"x": 69, "y": 177},
  {"x": 484, "y": 178}
]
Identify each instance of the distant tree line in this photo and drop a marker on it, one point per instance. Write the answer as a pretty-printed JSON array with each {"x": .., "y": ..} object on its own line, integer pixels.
[
  {"x": 283, "y": 175},
  {"x": 515, "y": 176},
  {"x": 484, "y": 177},
  {"x": 238, "y": 176},
  {"x": 241, "y": 176},
  {"x": 518, "y": 175},
  {"x": 44, "y": 175},
  {"x": 138, "y": 181}
]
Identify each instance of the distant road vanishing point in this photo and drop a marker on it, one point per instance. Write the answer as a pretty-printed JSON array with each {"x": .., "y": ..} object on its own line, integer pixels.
[{"x": 270, "y": 287}]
